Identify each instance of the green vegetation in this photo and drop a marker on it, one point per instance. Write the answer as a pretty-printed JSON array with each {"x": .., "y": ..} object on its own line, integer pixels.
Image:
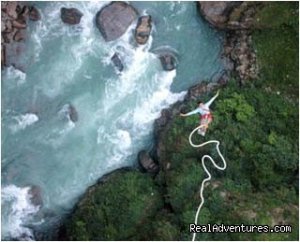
[
  {"x": 276, "y": 14},
  {"x": 257, "y": 125},
  {"x": 115, "y": 209},
  {"x": 259, "y": 139},
  {"x": 258, "y": 131},
  {"x": 277, "y": 45}
]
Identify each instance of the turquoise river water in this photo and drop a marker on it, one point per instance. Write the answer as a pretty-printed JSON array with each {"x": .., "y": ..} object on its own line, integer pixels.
[{"x": 41, "y": 146}]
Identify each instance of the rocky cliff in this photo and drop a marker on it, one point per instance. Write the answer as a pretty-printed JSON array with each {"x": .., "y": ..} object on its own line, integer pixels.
[
  {"x": 238, "y": 21},
  {"x": 14, "y": 21}
]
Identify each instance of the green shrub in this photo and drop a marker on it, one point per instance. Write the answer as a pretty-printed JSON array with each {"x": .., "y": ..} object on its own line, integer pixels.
[
  {"x": 277, "y": 46},
  {"x": 116, "y": 209},
  {"x": 258, "y": 133}
]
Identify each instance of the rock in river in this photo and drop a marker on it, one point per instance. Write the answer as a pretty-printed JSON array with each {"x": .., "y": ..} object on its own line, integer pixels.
[
  {"x": 70, "y": 16},
  {"x": 147, "y": 163},
  {"x": 34, "y": 14},
  {"x": 168, "y": 61},
  {"x": 73, "y": 113},
  {"x": 143, "y": 29},
  {"x": 69, "y": 111},
  {"x": 114, "y": 19},
  {"x": 117, "y": 62},
  {"x": 35, "y": 193},
  {"x": 217, "y": 13}
]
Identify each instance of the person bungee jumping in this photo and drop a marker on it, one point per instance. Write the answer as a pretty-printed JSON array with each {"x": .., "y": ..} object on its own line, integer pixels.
[{"x": 204, "y": 114}]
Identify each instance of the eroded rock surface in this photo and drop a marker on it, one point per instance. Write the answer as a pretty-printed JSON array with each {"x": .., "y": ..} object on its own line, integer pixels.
[
  {"x": 146, "y": 162},
  {"x": 143, "y": 30},
  {"x": 114, "y": 19},
  {"x": 70, "y": 16},
  {"x": 14, "y": 19}
]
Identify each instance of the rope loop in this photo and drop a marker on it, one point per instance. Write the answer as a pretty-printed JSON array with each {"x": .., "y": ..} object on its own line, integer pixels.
[{"x": 222, "y": 168}]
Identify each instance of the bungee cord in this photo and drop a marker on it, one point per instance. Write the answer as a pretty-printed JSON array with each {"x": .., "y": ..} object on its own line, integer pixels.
[{"x": 222, "y": 168}]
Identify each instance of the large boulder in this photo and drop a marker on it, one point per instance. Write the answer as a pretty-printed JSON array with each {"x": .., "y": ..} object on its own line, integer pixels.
[
  {"x": 70, "y": 16},
  {"x": 238, "y": 19},
  {"x": 114, "y": 19},
  {"x": 143, "y": 29},
  {"x": 217, "y": 13},
  {"x": 10, "y": 8},
  {"x": 146, "y": 162},
  {"x": 19, "y": 24},
  {"x": 229, "y": 14}
]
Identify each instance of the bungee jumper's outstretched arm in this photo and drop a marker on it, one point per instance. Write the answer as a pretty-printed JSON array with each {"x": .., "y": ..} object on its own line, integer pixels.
[
  {"x": 199, "y": 109},
  {"x": 190, "y": 113},
  {"x": 207, "y": 104}
]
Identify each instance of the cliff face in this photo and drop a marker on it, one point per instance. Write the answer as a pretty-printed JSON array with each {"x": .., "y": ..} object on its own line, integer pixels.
[
  {"x": 14, "y": 19},
  {"x": 242, "y": 21},
  {"x": 230, "y": 15},
  {"x": 238, "y": 20}
]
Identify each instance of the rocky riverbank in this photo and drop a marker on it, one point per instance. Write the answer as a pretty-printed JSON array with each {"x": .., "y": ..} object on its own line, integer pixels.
[
  {"x": 14, "y": 21},
  {"x": 238, "y": 21}
]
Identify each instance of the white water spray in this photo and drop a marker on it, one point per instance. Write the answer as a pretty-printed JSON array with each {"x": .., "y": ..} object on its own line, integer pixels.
[{"x": 17, "y": 210}]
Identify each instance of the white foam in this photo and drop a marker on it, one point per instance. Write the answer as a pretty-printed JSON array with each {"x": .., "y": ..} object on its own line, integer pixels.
[
  {"x": 150, "y": 108},
  {"x": 136, "y": 59},
  {"x": 147, "y": 95},
  {"x": 172, "y": 6},
  {"x": 58, "y": 134},
  {"x": 36, "y": 37},
  {"x": 182, "y": 8},
  {"x": 16, "y": 212},
  {"x": 80, "y": 40},
  {"x": 69, "y": 126},
  {"x": 87, "y": 76},
  {"x": 123, "y": 139},
  {"x": 23, "y": 121},
  {"x": 177, "y": 5},
  {"x": 15, "y": 76},
  {"x": 122, "y": 143}
]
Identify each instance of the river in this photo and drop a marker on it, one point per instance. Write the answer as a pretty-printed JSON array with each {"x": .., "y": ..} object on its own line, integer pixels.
[{"x": 41, "y": 146}]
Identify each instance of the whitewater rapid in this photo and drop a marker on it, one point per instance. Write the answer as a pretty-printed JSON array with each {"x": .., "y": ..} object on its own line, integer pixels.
[{"x": 42, "y": 146}]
